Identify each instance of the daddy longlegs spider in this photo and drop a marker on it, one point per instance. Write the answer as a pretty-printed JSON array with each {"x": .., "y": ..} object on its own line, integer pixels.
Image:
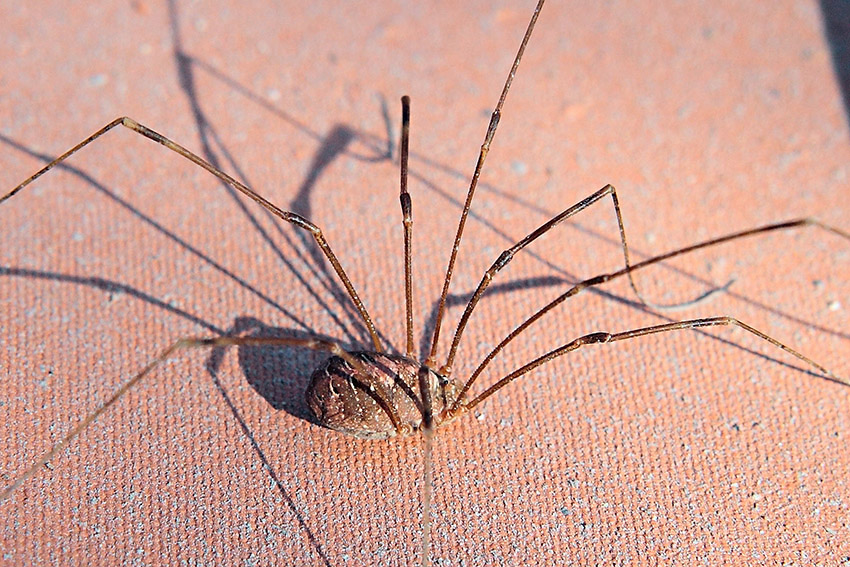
[{"x": 375, "y": 394}]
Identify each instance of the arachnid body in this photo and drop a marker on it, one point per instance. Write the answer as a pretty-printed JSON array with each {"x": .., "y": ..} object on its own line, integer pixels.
[{"x": 649, "y": 446}]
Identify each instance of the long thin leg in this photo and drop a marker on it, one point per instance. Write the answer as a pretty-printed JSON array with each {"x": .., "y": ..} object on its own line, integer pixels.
[
  {"x": 407, "y": 221},
  {"x": 597, "y": 280},
  {"x": 506, "y": 256},
  {"x": 594, "y": 338},
  {"x": 287, "y": 216},
  {"x": 315, "y": 344},
  {"x": 485, "y": 148}
]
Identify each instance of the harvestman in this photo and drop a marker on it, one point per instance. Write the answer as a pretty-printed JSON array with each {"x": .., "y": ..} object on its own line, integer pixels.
[{"x": 377, "y": 395}]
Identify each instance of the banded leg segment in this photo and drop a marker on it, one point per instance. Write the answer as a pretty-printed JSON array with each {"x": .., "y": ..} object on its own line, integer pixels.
[
  {"x": 287, "y": 216},
  {"x": 482, "y": 155},
  {"x": 407, "y": 221},
  {"x": 506, "y": 256},
  {"x": 602, "y": 337}
]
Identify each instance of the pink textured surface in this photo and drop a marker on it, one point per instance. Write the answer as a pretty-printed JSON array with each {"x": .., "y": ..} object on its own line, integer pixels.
[{"x": 676, "y": 449}]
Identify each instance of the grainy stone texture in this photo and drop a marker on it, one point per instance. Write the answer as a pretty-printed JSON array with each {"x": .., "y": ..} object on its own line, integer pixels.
[{"x": 681, "y": 449}]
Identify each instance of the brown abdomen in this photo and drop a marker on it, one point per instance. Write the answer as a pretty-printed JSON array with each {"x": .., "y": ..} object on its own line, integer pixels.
[{"x": 382, "y": 404}]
